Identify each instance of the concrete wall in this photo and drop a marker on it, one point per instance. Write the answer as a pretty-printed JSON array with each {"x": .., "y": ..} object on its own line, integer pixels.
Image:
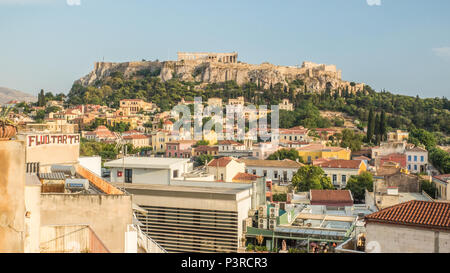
[
  {"x": 12, "y": 196},
  {"x": 33, "y": 221},
  {"x": 92, "y": 163},
  {"x": 143, "y": 176},
  {"x": 63, "y": 148},
  {"x": 404, "y": 239},
  {"x": 107, "y": 215}
]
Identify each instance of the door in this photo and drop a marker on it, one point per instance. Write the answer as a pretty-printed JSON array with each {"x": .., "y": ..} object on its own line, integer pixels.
[{"x": 128, "y": 175}]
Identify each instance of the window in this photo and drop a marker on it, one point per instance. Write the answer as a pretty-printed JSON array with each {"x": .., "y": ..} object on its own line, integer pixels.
[
  {"x": 264, "y": 173},
  {"x": 422, "y": 158},
  {"x": 254, "y": 172},
  {"x": 175, "y": 173},
  {"x": 409, "y": 158},
  {"x": 128, "y": 175},
  {"x": 415, "y": 167},
  {"x": 409, "y": 167},
  {"x": 275, "y": 174},
  {"x": 221, "y": 176},
  {"x": 344, "y": 179},
  {"x": 415, "y": 158},
  {"x": 334, "y": 178}
]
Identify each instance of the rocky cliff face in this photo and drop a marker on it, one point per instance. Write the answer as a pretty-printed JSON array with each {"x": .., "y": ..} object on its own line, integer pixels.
[{"x": 316, "y": 77}]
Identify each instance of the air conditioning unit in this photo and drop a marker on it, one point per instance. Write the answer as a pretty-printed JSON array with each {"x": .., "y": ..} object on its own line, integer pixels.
[
  {"x": 272, "y": 224},
  {"x": 262, "y": 211},
  {"x": 262, "y": 223},
  {"x": 273, "y": 212}
]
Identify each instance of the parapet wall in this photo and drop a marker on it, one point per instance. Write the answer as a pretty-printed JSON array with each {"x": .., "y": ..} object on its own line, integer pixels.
[{"x": 12, "y": 196}]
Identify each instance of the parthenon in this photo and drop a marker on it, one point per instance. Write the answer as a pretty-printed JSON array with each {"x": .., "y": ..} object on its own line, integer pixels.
[{"x": 207, "y": 56}]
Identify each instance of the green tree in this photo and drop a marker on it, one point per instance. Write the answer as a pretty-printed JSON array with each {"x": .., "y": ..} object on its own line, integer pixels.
[
  {"x": 282, "y": 154},
  {"x": 310, "y": 177},
  {"x": 202, "y": 159},
  {"x": 370, "y": 127},
  {"x": 351, "y": 140},
  {"x": 383, "y": 130},
  {"x": 429, "y": 188},
  {"x": 359, "y": 184},
  {"x": 41, "y": 99}
]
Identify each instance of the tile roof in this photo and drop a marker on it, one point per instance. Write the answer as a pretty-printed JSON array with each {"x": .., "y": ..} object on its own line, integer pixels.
[
  {"x": 443, "y": 177},
  {"x": 286, "y": 163},
  {"x": 415, "y": 213},
  {"x": 220, "y": 162},
  {"x": 331, "y": 197},
  {"x": 230, "y": 142},
  {"x": 341, "y": 164},
  {"x": 245, "y": 177},
  {"x": 416, "y": 149},
  {"x": 136, "y": 137}
]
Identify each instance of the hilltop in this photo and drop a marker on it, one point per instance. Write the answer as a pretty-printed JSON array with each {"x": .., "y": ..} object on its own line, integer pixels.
[
  {"x": 207, "y": 70},
  {"x": 7, "y": 95}
]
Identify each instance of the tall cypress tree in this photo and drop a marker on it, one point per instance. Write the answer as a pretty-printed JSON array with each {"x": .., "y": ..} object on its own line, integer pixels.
[
  {"x": 377, "y": 129},
  {"x": 41, "y": 98},
  {"x": 383, "y": 132},
  {"x": 370, "y": 126}
]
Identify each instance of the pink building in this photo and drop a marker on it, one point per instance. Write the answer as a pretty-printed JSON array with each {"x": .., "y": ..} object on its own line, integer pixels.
[{"x": 180, "y": 149}]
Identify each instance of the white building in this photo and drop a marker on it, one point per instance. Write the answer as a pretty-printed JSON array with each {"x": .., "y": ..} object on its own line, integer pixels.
[
  {"x": 280, "y": 171},
  {"x": 225, "y": 168},
  {"x": 417, "y": 160},
  {"x": 148, "y": 170},
  {"x": 411, "y": 227}
]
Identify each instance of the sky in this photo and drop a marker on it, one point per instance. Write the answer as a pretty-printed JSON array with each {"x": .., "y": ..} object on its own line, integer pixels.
[{"x": 402, "y": 46}]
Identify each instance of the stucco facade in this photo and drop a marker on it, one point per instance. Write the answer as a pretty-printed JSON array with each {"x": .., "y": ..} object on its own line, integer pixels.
[{"x": 388, "y": 238}]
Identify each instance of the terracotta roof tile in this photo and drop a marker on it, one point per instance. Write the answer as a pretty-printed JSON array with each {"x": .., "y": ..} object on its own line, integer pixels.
[
  {"x": 286, "y": 163},
  {"x": 341, "y": 164},
  {"x": 245, "y": 177},
  {"x": 221, "y": 162},
  {"x": 331, "y": 197},
  {"x": 415, "y": 213}
]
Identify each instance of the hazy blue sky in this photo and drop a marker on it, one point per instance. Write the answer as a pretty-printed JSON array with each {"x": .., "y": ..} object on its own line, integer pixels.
[{"x": 400, "y": 45}]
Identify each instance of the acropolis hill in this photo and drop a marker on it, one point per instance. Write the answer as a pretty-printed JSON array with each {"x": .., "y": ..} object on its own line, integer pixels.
[{"x": 220, "y": 67}]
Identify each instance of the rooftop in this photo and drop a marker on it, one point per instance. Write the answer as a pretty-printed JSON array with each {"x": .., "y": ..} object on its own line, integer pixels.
[
  {"x": 336, "y": 197},
  {"x": 443, "y": 177},
  {"x": 286, "y": 163},
  {"x": 341, "y": 164},
  {"x": 221, "y": 162},
  {"x": 415, "y": 213}
]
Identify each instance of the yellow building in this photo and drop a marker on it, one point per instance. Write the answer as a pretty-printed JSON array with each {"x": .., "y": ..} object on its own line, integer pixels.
[
  {"x": 339, "y": 170},
  {"x": 211, "y": 137},
  {"x": 134, "y": 106},
  {"x": 397, "y": 136},
  {"x": 159, "y": 140},
  {"x": 313, "y": 152}
]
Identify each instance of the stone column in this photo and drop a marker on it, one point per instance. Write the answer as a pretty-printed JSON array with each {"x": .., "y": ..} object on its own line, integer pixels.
[{"x": 12, "y": 196}]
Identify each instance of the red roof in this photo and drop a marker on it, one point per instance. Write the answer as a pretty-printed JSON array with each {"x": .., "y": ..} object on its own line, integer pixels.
[
  {"x": 229, "y": 142},
  {"x": 415, "y": 213},
  {"x": 220, "y": 162},
  {"x": 331, "y": 197},
  {"x": 245, "y": 177},
  {"x": 136, "y": 137},
  {"x": 341, "y": 164},
  {"x": 443, "y": 177}
]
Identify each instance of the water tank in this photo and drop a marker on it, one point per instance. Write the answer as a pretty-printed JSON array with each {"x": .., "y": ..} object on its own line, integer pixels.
[
  {"x": 68, "y": 170},
  {"x": 77, "y": 184}
]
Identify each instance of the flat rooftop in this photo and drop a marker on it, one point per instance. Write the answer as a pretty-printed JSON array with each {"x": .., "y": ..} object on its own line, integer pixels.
[
  {"x": 402, "y": 197},
  {"x": 182, "y": 191},
  {"x": 145, "y": 162}
]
